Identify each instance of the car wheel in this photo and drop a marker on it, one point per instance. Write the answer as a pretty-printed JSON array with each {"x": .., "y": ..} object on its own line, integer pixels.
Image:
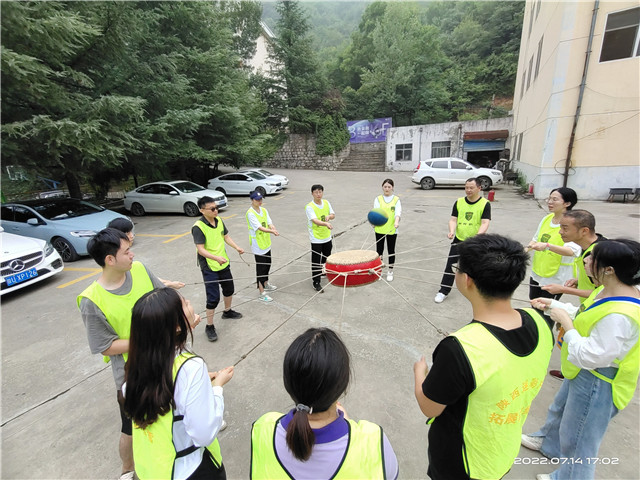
[
  {"x": 191, "y": 209},
  {"x": 485, "y": 183},
  {"x": 137, "y": 209},
  {"x": 427, "y": 183},
  {"x": 261, "y": 191},
  {"x": 65, "y": 249},
  {"x": 221, "y": 190}
]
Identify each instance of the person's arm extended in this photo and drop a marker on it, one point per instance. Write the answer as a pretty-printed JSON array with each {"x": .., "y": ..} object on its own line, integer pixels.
[
  {"x": 453, "y": 223},
  {"x": 484, "y": 226},
  {"x": 430, "y": 408},
  {"x": 559, "y": 249},
  {"x": 555, "y": 289},
  {"x": 229, "y": 241},
  {"x": 206, "y": 254},
  {"x": 117, "y": 347}
]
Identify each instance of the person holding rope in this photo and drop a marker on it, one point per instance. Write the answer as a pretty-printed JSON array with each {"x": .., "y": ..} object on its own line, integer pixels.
[
  {"x": 105, "y": 306},
  {"x": 484, "y": 376},
  {"x": 600, "y": 361},
  {"x": 470, "y": 216},
  {"x": 210, "y": 235},
  {"x": 390, "y": 203},
  {"x": 319, "y": 213},
  {"x": 168, "y": 393},
  {"x": 316, "y": 439},
  {"x": 260, "y": 230}
]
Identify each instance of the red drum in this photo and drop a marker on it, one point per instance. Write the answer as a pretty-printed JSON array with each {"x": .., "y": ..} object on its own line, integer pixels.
[{"x": 352, "y": 268}]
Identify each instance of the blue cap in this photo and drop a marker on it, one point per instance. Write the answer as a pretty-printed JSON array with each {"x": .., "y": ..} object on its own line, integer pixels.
[{"x": 255, "y": 195}]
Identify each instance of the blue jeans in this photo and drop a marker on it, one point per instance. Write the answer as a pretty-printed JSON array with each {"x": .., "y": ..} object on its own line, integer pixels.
[{"x": 576, "y": 423}]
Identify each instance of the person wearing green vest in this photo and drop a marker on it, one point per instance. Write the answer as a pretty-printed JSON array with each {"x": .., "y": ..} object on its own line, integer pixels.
[
  {"x": 175, "y": 403},
  {"x": 390, "y": 203},
  {"x": 552, "y": 257},
  {"x": 105, "y": 306},
  {"x": 260, "y": 230},
  {"x": 578, "y": 226},
  {"x": 470, "y": 216},
  {"x": 600, "y": 361},
  {"x": 316, "y": 439},
  {"x": 485, "y": 375},
  {"x": 210, "y": 236},
  {"x": 319, "y": 213}
]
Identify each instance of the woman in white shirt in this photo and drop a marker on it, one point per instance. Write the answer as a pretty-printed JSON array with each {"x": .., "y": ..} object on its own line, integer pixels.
[
  {"x": 390, "y": 203},
  {"x": 600, "y": 360},
  {"x": 175, "y": 404}
]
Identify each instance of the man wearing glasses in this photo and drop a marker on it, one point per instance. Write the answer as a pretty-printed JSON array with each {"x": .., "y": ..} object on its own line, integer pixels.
[
  {"x": 484, "y": 376},
  {"x": 210, "y": 235}
]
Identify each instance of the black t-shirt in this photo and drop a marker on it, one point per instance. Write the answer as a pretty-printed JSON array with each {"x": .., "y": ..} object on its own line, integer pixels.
[
  {"x": 200, "y": 239},
  {"x": 486, "y": 212},
  {"x": 451, "y": 381}
]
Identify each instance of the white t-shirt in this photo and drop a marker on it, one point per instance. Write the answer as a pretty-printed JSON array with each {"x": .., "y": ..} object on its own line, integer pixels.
[
  {"x": 311, "y": 214},
  {"x": 565, "y": 272},
  {"x": 388, "y": 199},
  {"x": 254, "y": 224}
]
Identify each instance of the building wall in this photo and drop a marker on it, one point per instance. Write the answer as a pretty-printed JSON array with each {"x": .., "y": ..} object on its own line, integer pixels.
[
  {"x": 422, "y": 136},
  {"x": 606, "y": 151}
]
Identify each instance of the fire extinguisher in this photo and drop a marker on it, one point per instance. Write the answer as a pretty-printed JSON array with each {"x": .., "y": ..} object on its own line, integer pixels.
[{"x": 492, "y": 195}]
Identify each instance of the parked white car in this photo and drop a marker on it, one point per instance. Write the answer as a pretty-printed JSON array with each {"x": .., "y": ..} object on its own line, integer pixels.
[
  {"x": 453, "y": 171},
  {"x": 240, "y": 183},
  {"x": 172, "y": 196},
  {"x": 25, "y": 260},
  {"x": 284, "y": 181}
]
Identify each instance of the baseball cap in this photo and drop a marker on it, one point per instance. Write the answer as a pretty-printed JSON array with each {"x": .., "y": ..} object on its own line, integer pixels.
[{"x": 255, "y": 195}]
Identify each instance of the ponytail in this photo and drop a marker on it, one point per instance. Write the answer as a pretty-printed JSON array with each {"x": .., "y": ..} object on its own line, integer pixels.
[{"x": 300, "y": 436}]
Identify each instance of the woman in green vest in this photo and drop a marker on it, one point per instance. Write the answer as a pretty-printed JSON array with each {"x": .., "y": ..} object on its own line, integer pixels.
[
  {"x": 552, "y": 258},
  {"x": 175, "y": 403},
  {"x": 316, "y": 439},
  {"x": 390, "y": 203},
  {"x": 600, "y": 361}
]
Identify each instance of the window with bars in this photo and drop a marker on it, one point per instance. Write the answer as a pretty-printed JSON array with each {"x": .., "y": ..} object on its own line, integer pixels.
[
  {"x": 403, "y": 152},
  {"x": 440, "y": 149}
]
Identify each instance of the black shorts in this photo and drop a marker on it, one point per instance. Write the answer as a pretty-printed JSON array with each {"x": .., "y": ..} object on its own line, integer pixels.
[
  {"x": 214, "y": 281},
  {"x": 126, "y": 421}
]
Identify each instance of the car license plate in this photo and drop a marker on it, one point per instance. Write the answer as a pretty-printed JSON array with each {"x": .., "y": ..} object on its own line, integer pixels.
[{"x": 21, "y": 277}]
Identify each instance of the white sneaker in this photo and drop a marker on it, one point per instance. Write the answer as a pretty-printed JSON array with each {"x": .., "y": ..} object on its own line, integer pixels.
[
  {"x": 390, "y": 276},
  {"x": 223, "y": 426},
  {"x": 265, "y": 298},
  {"x": 270, "y": 288},
  {"x": 543, "y": 476},
  {"x": 532, "y": 443},
  {"x": 440, "y": 297},
  {"x": 127, "y": 476}
]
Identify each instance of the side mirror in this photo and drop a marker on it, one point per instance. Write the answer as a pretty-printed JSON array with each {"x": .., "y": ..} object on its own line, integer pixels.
[
  {"x": 173, "y": 192},
  {"x": 469, "y": 167},
  {"x": 33, "y": 221}
]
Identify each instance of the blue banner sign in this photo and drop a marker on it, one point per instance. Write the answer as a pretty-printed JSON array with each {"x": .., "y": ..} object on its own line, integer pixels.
[{"x": 365, "y": 131}]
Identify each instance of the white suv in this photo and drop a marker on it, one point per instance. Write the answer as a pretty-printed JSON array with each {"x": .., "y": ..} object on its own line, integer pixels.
[{"x": 453, "y": 171}]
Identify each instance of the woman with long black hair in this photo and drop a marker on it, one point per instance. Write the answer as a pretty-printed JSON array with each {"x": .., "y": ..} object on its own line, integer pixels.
[
  {"x": 176, "y": 412},
  {"x": 316, "y": 440}
]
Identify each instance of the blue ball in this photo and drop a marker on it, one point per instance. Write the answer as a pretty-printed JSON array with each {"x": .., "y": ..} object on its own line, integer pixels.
[{"x": 377, "y": 217}]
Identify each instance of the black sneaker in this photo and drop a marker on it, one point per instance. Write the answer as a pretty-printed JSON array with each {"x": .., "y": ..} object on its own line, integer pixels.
[
  {"x": 317, "y": 287},
  {"x": 231, "y": 314},
  {"x": 210, "y": 330}
]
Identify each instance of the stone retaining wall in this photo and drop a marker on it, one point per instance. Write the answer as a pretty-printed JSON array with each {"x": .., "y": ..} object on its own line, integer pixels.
[{"x": 299, "y": 152}]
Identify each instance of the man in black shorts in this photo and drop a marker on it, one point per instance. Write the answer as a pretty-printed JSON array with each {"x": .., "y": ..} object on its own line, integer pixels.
[
  {"x": 210, "y": 235},
  {"x": 484, "y": 376}
]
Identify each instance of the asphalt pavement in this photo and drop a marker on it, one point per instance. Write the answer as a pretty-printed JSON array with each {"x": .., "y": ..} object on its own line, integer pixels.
[{"x": 59, "y": 412}]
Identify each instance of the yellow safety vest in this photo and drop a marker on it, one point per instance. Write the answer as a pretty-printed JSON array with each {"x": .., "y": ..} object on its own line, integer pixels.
[
  {"x": 469, "y": 217},
  {"x": 153, "y": 450},
  {"x": 319, "y": 231},
  {"x": 624, "y": 383},
  {"x": 506, "y": 384},
  {"x": 214, "y": 243},
  {"x": 262, "y": 239},
  {"x": 547, "y": 263},
  {"x": 584, "y": 282},
  {"x": 390, "y": 208},
  {"x": 364, "y": 457},
  {"x": 117, "y": 308}
]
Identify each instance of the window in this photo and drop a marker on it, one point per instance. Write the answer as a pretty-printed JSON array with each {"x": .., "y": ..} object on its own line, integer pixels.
[
  {"x": 440, "y": 164},
  {"x": 524, "y": 78},
  {"x": 538, "y": 9},
  {"x": 520, "y": 147},
  {"x": 7, "y": 213},
  {"x": 403, "y": 152},
  {"x": 530, "y": 72},
  {"x": 22, "y": 214},
  {"x": 538, "y": 58},
  {"x": 457, "y": 164},
  {"x": 440, "y": 149},
  {"x": 515, "y": 145},
  {"x": 621, "y": 35},
  {"x": 533, "y": 7}
]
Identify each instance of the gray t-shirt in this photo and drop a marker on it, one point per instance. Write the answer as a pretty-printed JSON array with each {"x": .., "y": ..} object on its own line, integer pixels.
[{"x": 100, "y": 334}]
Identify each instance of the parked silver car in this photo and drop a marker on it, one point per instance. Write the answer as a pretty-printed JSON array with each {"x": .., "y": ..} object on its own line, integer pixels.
[
  {"x": 453, "y": 171},
  {"x": 284, "y": 181},
  {"x": 244, "y": 183},
  {"x": 171, "y": 196}
]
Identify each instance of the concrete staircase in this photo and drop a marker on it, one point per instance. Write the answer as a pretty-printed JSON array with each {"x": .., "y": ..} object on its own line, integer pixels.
[{"x": 365, "y": 157}]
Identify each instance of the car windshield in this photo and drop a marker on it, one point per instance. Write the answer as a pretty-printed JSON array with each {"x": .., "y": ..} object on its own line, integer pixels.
[
  {"x": 58, "y": 209},
  {"x": 266, "y": 173},
  {"x": 187, "y": 187},
  {"x": 256, "y": 175}
]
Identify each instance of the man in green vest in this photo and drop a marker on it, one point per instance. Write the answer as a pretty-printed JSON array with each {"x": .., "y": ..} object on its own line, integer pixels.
[
  {"x": 319, "y": 213},
  {"x": 210, "y": 235},
  {"x": 485, "y": 375},
  {"x": 470, "y": 216},
  {"x": 106, "y": 312},
  {"x": 578, "y": 226}
]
